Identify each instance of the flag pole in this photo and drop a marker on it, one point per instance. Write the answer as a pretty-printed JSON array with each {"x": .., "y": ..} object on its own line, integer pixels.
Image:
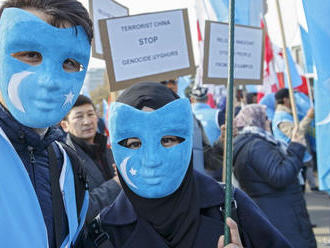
[
  {"x": 310, "y": 93},
  {"x": 229, "y": 119},
  {"x": 113, "y": 94},
  {"x": 292, "y": 99}
]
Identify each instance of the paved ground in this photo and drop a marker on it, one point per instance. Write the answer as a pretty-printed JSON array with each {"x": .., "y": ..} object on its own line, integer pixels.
[{"x": 318, "y": 205}]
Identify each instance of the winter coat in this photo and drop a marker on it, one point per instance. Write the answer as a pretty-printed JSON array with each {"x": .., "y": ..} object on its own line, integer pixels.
[
  {"x": 127, "y": 230},
  {"x": 28, "y": 158},
  {"x": 101, "y": 192},
  {"x": 269, "y": 176}
]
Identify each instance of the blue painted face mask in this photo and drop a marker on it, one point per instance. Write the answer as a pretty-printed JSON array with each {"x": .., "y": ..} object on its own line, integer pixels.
[
  {"x": 152, "y": 170},
  {"x": 40, "y": 95}
]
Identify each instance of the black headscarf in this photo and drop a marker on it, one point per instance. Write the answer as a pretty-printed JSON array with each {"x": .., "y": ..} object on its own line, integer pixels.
[{"x": 174, "y": 217}]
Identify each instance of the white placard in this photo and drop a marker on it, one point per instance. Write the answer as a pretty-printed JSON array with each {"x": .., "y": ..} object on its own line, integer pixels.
[
  {"x": 248, "y": 50},
  {"x": 148, "y": 45},
  {"x": 103, "y": 9}
]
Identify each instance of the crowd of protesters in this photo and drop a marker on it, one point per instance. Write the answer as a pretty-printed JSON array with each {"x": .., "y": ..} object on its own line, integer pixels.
[{"x": 159, "y": 185}]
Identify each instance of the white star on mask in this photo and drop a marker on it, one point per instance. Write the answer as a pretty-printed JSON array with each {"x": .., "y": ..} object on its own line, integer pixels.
[
  {"x": 132, "y": 171},
  {"x": 68, "y": 98}
]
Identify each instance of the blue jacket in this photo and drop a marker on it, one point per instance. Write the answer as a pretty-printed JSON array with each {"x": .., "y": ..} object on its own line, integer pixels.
[
  {"x": 127, "y": 230},
  {"x": 209, "y": 119},
  {"x": 269, "y": 177},
  {"x": 27, "y": 157}
]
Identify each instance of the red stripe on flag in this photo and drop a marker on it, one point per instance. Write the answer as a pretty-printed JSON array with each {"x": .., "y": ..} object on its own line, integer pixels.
[
  {"x": 274, "y": 88},
  {"x": 268, "y": 49},
  {"x": 260, "y": 96},
  {"x": 280, "y": 77},
  {"x": 303, "y": 87},
  {"x": 199, "y": 32}
]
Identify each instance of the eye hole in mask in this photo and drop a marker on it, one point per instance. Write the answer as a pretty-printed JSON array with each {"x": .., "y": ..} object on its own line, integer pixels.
[
  {"x": 71, "y": 65},
  {"x": 170, "y": 141},
  {"x": 35, "y": 58},
  {"x": 166, "y": 141},
  {"x": 131, "y": 143},
  {"x": 28, "y": 57}
]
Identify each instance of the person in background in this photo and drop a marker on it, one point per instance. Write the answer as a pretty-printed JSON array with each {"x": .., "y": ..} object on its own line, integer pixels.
[
  {"x": 283, "y": 127},
  {"x": 210, "y": 100},
  {"x": 211, "y": 156},
  {"x": 222, "y": 111},
  {"x": 80, "y": 124},
  {"x": 172, "y": 84},
  {"x": 251, "y": 98},
  {"x": 204, "y": 113},
  {"x": 239, "y": 100},
  {"x": 44, "y": 53},
  {"x": 267, "y": 170},
  {"x": 165, "y": 202}
]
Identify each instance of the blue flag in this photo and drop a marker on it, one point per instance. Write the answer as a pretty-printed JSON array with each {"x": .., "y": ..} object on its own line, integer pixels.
[
  {"x": 295, "y": 77},
  {"x": 306, "y": 45},
  {"x": 318, "y": 19},
  {"x": 247, "y": 12}
]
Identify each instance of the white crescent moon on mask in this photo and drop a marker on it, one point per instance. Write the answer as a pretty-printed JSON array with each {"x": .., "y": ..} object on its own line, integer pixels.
[
  {"x": 13, "y": 85},
  {"x": 325, "y": 121},
  {"x": 124, "y": 172}
]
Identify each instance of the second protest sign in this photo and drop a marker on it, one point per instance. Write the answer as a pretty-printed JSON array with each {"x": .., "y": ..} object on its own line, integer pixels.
[{"x": 248, "y": 57}]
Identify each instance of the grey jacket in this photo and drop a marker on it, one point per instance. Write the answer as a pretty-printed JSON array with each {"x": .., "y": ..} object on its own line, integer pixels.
[{"x": 101, "y": 192}]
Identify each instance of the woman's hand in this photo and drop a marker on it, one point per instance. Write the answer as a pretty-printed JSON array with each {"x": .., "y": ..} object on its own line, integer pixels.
[{"x": 234, "y": 233}]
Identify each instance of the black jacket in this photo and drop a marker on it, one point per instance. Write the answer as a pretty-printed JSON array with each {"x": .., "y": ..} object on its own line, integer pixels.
[
  {"x": 102, "y": 192},
  {"x": 127, "y": 230}
]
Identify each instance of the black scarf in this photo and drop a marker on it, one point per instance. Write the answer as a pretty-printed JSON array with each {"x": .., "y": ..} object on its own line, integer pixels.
[
  {"x": 175, "y": 217},
  {"x": 97, "y": 152}
]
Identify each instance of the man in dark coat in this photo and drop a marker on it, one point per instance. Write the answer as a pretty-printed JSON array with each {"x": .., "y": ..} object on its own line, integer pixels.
[
  {"x": 44, "y": 54},
  {"x": 97, "y": 159}
]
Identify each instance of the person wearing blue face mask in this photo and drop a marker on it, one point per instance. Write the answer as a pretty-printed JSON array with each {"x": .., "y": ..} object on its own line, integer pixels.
[
  {"x": 164, "y": 202},
  {"x": 44, "y": 53}
]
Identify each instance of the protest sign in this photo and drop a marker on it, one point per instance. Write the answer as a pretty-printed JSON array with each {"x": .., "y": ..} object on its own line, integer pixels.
[
  {"x": 147, "y": 47},
  {"x": 102, "y": 9},
  {"x": 248, "y": 58}
]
